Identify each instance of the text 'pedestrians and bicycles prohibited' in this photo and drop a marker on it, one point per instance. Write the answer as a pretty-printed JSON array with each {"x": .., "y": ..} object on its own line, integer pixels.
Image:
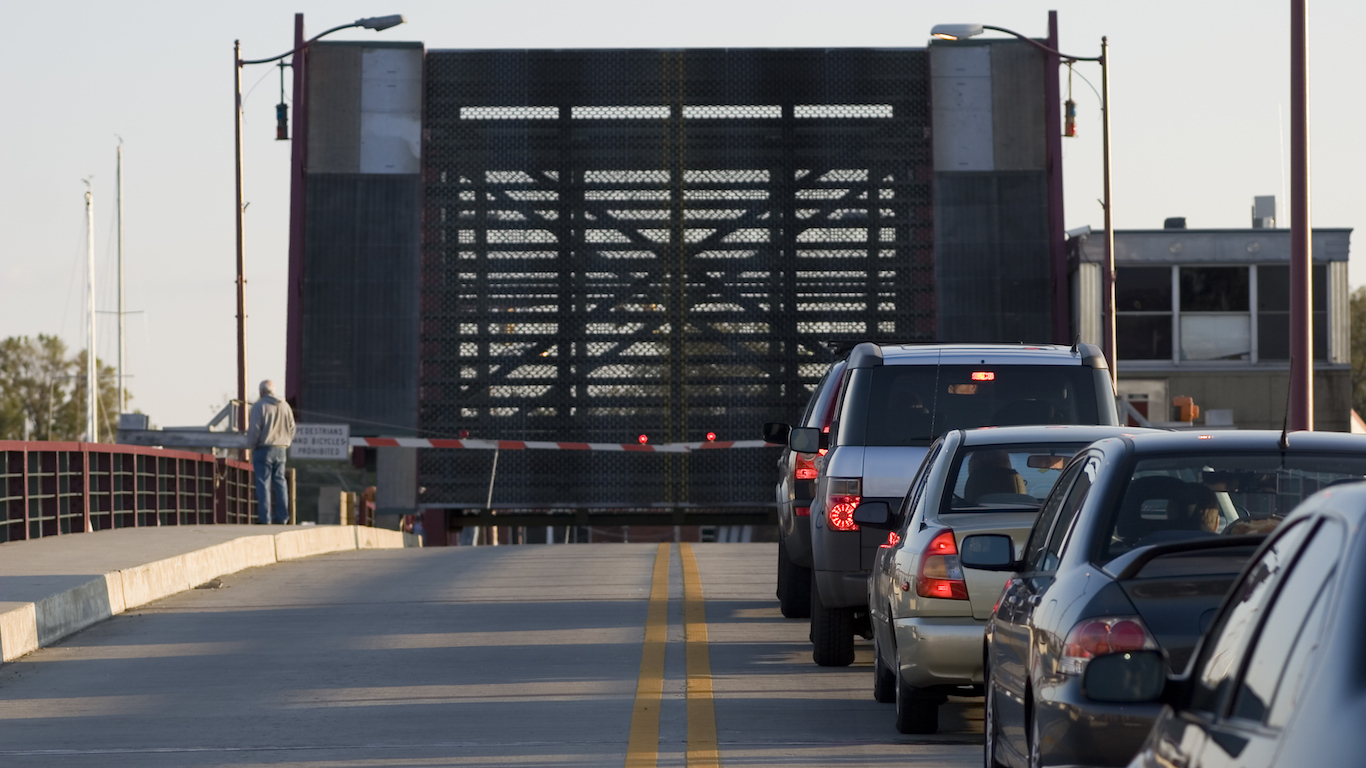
[{"x": 321, "y": 441}]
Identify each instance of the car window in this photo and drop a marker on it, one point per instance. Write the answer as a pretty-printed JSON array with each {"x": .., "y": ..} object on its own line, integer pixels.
[
  {"x": 814, "y": 400},
  {"x": 912, "y": 404},
  {"x": 1224, "y": 645},
  {"x": 822, "y": 406},
  {"x": 1177, "y": 498},
  {"x": 1290, "y": 631},
  {"x": 1034, "y": 549},
  {"x": 1006, "y": 478},
  {"x": 922, "y": 477},
  {"x": 1066, "y": 513}
]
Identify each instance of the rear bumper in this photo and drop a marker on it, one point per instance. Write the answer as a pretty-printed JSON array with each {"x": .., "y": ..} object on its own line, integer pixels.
[
  {"x": 940, "y": 651},
  {"x": 796, "y": 533},
  {"x": 1075, "y": 731},
  {"x": 843, "y": 590}
]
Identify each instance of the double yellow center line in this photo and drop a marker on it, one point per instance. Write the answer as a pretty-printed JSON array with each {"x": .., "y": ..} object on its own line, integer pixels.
[{"x": 642, "y": 750}]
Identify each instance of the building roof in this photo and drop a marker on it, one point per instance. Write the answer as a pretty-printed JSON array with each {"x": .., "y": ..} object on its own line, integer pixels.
[{"x": 1207, "y": 246}]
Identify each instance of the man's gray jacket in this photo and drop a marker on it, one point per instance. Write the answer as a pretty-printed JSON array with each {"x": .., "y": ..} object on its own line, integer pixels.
[{"x": 271, "y": 423}]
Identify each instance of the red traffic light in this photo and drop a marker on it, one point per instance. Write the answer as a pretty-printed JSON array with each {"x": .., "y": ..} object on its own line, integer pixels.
[
  {"x": 711, "y": 437},
  {"x": 643, "y": 439}
]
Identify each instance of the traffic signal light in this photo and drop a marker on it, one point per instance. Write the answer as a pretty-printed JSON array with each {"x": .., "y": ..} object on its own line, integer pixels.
[{"x": 281, "y": 121}]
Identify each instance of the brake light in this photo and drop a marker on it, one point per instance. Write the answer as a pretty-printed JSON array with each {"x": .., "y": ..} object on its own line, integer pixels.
[
  {"x": 802, "y": 511},
  {"x": 941, "y": 573},
  {"x": 1096, "y": 637},
  {"x": 983, "y": 375},
  {"x": 806, "y": 468},
  {"x": 842, "y": 498},
  {"x": 893, "y": 539}
]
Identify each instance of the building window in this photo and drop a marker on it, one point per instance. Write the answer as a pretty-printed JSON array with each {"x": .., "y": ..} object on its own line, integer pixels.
[
  {"x": 1273, "y": 312},
  {"x": 1143, "y": 316},
  {"x": 1216, "y": 323},
  {"x": 1207, "y": 313}
]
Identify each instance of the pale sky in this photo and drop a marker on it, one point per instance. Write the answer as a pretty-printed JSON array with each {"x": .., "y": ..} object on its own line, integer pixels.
[{"x": 1200, "y": 127}]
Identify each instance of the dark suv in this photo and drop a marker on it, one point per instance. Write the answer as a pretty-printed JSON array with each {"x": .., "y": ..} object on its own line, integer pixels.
[
  {"x": 894, "y": 401},
  {"x": 796, "y": 488}
]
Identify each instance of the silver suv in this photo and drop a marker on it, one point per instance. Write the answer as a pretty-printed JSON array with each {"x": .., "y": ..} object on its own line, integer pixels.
[{"x": 895, "y": 400}]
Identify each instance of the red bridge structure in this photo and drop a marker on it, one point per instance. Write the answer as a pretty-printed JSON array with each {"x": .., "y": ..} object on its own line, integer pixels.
[{"x": 54, "y": 488}]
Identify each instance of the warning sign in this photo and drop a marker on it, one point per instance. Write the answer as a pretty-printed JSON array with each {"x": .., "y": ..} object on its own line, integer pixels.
[{"x": 321, "y": 441}]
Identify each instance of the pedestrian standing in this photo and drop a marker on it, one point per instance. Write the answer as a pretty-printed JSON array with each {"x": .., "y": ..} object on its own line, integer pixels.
[{"x": 270, "y": 431}]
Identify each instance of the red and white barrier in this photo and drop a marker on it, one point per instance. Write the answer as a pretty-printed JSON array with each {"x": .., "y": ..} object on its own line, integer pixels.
[{"x": 533, "y": 445}]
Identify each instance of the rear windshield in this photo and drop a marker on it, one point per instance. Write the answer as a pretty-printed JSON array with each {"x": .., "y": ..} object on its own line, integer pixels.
[
  {"x": 1179, "y": 498},
  {"x": 1005, "y": 478},
  {"x": 913, "y": 404}
]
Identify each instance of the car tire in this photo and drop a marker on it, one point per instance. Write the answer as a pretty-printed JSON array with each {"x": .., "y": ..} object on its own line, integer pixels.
[
  {"x": 884, "y": 677},
  {"x": 781, "y": 591},
  {"x": 794, "y": 587},
  {"x": 915, "y": 712},
  {"x": 832, "y": 632}
]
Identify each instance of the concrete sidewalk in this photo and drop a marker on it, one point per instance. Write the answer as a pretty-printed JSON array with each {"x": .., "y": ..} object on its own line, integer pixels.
[{"x": 55, "y": 586}]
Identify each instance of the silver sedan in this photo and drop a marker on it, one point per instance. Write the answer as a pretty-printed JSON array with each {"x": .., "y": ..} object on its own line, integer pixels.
[{"x": 928, "y": 612}]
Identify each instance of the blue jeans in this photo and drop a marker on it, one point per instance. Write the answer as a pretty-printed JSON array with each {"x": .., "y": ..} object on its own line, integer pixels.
[{"x": 272, "y": 489}]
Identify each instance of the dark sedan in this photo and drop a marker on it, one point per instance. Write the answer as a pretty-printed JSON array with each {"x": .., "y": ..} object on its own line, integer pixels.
[
  {"x": 1280, "y": 680},
  {"x": 1135, "y": 547}
]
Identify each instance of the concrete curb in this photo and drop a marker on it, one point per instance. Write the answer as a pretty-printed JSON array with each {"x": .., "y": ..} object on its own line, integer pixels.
[{"x": 31, "y": 626}]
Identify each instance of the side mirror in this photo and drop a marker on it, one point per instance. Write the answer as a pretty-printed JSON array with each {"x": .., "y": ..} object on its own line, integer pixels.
[
  {"x": 776, "y": 432},
  {"x": 1128, "y": 677},
  {"x": 805, "y": 439},
  {"x": 875, "y": 514},
  {"x": 988, "y": 552}
]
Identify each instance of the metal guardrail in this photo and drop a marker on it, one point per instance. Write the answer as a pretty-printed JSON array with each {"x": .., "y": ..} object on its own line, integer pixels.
[
  {"x": 441, "y": 520},
  {"x": 54, "y": 488}
]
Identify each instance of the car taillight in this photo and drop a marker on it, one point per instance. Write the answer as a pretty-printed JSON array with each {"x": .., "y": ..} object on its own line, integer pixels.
[
  {"x": 1096, "y": 637},
  {"x": 941, "y": 574},
  {"x": 806, "y": 468},
  {"x": 802, "y": 511},
  {"x": 893, "y": 539},
  {"x": 841, "y": 498}
]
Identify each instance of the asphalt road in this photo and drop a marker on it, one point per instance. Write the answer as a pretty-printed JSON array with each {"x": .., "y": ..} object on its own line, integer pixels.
[{"x": 471, "y": 656}]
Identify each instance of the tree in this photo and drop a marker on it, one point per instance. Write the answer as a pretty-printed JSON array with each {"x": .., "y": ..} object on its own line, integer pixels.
[
  {"x": 1359, "y": 350},
  {"x": 43, "y": 387}
]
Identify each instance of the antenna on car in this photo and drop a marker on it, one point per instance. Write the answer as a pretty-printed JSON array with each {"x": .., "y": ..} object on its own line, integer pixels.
[
  {"x": 1076, "y": 342},
  {"x": 1285, "y": 422}
]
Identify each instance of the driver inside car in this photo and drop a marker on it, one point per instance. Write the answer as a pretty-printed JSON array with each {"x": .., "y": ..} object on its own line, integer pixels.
[{"x": 991, "y": 472}]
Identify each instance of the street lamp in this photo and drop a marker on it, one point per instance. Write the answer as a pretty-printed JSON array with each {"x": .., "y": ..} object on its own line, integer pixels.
[
  {"x": 960, "y": 31},
  {"x": 377, "y": 23}
]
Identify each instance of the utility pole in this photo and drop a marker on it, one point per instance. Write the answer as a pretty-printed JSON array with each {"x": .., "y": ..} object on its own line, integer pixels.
[
  {"x": 123, "y": 400},
  {"x": 1301, "y": 414},
  {"x": 91, "y": 409}
]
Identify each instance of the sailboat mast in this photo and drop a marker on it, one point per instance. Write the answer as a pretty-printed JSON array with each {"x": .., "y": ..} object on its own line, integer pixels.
[
  {"x": 91, "y": 420},
  {"x": 122, "y": 401}
]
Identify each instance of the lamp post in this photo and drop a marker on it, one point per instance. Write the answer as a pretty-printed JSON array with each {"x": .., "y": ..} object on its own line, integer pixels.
[
  {"x": 377, "y": 23},
  {"x": 959, "y": 31}
]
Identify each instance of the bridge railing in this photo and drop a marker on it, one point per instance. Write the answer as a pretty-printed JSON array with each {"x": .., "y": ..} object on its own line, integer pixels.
[{"x": 54, "y": 488}]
